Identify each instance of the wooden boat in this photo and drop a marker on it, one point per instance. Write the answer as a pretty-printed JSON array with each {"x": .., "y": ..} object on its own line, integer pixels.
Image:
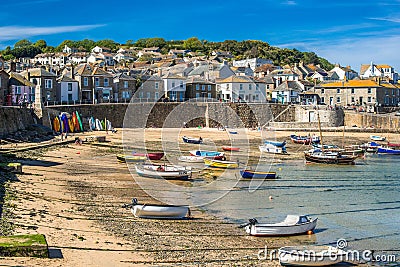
[
  {"x": 151, "y": 211},
  {"x": 377, "y": 138},
  {"x": 192, "y": 140},
  {"x": 311, "y": 255},
  {"x": 388, "y": 151},
  {"x": 292, "y": 225},
  {"x": 223, "y": 164},
  {"x": 328, "y": 157},
  {"x": 305, "y": 140},
  {"x": 230, "y": 148},
  {"x": 275, "y": 143},
  {"x": 164, "y": 171},
  {"x": 193, "y": 159},
  {"x": 208, "y": 154},
  {"x": 249, "y": 174},
  {"x": 269, "y": 148},
  {"x": 151, "y": 156},
  {"x": 130, "y": 158}
]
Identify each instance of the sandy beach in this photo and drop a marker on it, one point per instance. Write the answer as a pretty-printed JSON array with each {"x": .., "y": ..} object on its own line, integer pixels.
[{"x": 73, "y": 194}]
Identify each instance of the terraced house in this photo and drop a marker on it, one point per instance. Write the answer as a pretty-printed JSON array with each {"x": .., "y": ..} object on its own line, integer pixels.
[{"x": 45, "y": 82}]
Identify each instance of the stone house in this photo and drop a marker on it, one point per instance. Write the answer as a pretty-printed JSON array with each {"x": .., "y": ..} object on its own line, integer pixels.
[
  {"x": 200, "y": 88},
  {"x": 152, "y": 90},
  {"x": 241, "y": 88},
  {"x": 46, "y": 84},
  {"x": 125, "y": 87},
  {"x": 83, "y": 74},
  {"x": 20, "y": 89},
  {"x": 103, "y": 85}
]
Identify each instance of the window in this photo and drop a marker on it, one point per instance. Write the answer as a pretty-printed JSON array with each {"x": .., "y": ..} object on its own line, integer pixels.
[
  {"x": 240, "y": 86},
  {"x": 393, "y": 93},
  {"x": 156, "y": 85},
  {"x": 227, "y": 87},
  {"x": 69, "y": 87},
  {"x": 257, "y": 87},
  {"x": 140, "y": 94},
  {"x": 338, "y": 99},
  {"x": 48, "y": 83},
  {"x": 352, "y": 90},
  {"x": 148, "y": 95},
  {"x": 48, "y": 96},
  {"x": 322, "y": 91},
  {"x": 352, "y": 99},
  {"x": 173, "y": 84},
  {"x": 209, "y": 95},
  {"x": 249, "y": 86},
  {"x": 197, "y": 95},
  {"x": 209, "y": 87},
  {"x": 126, "y": 84},
  {"x": 369, "y": 90},
  {"x": 85, "y": 81},
  {"x": 181, "y": 84},
  {"x": 338, "y": 90},
  {"x": 18, "y": 90},
  {"x": 125, "y": 94},
  {"x": 197, "y": 87},
  {"x": 105, "y": 81},
  {"x": 203, "y": 87},
  {"x": 369, "y": 99},
  {"x": 69, "y": 97},
  {"x": 97, "y": 81},
  {"x": 322, "y": 99},
  {"x": 156, "y": 96},
  {"x": 257, "y": 97},
  {"x": 32, "y": 90}
]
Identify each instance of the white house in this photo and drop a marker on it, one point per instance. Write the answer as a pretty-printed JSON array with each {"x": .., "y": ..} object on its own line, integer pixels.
[
  {"x": 373, "y": 70},
  {"x": 78, "y": 58},
  {"x": 344, "y": 73},
  {"x": 287, "y": 92},
  {"x": 241, "y": 88},
  {"x": 106, "y": 58},
  {"x": 252, "y": 63},
  {"x": 174, "y": 87},
  {"x": 98, "y": 49},
  {"x": 67, "y": 90}
]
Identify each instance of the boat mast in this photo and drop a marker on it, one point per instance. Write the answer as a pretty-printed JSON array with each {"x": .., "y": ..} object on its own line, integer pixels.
[
  {"x": 320, "y": 132},
  {"x": 344, "y": 126}
]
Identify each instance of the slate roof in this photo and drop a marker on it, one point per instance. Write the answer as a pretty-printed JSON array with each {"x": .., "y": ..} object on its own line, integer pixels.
[
  {"x": 289, "y": 85},
  {"x": 21, "y": 79}
]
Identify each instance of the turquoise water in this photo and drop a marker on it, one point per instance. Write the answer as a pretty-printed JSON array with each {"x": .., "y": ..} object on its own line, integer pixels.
[{"x": 359, "y": 203}]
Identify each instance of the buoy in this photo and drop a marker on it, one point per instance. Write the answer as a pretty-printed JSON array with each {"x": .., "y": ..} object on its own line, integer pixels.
[
  {"x": 310, "y": 232},
  {"x": 279, "y": 169},
  {"x": 78, "y": 152},
  {"x": 270, "y": 197}
]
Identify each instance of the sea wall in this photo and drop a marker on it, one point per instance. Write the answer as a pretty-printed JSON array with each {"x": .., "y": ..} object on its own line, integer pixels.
[
  {"x": 13, "y": 119},
  {"x": 385, "y": 122}
]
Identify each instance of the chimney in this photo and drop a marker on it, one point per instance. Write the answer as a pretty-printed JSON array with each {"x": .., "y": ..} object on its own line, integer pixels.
[
  {"x": 72, "y": 72},
  {"x": 28, "y": 75},
  {"x": 13, "y": 66},
  {"x": 159, "y": 72}
]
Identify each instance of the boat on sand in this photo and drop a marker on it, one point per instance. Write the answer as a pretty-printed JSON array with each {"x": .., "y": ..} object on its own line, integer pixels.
[{"x": 152, "y": 211}]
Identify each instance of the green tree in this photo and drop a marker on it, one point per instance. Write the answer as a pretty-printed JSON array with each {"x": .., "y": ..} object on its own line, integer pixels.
[
  {"x": 108, "y": 43},
  {"x": 193, "y": 44},
  {"x": 64, "y": 43},
  {"x": 41, "y": 44},
  {"x": 22, "y": 43},
  {"x": 86, "y": 45}
]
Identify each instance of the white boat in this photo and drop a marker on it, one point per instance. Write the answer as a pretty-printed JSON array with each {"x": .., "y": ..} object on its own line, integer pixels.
[
  {"x": 311, "y": 256},
  {"x": 292, "y": 225},
  {"x": 192, "y": 159},
  {"x": 151, "y": 211},
  {"x": 164, "y": 171},
  {"x": 270, "y": 148},
  {"x": 377, "y": 138}
]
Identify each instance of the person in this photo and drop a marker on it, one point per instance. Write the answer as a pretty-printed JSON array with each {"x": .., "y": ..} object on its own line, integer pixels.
[
  {"x": 201, "y": 139},
  {"x": 78, "y": 141}
]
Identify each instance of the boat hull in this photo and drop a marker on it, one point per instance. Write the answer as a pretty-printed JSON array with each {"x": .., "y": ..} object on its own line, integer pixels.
[
  {"x": 181, "y": 174},
  {"x": 220, "y": 164},
  {"x": 388, "y": 151},
  {"x": 159, "y": 211},
  {"x": 229, "y": 148},
  {"x": 269, "y": 148},
  {"x": 191, "y": 140},
  {"x": 345, "y": 160},
  {"x": 275, "y": 143},
  {"x": 280, "y": 230},
  {"x": 129, "y": 158},
  {"x": 208, "y": 154},
  {"x": 151, "y": 156},
  {"x": 192, "y": 159},
  {"x": 249, "y": 174}
]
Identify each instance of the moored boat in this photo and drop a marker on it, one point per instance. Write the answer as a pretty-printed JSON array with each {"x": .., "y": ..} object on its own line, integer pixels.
[
  {"x": 223, "y": 164},
  {"x": 393, "y": 144},
  {"x": 292, "y": 225},
  {"x": 305, "y": 140},
  {"x": 377, "y": 138},
  {"x": 275, "y": 143},
  {"x": 388, "y": 151},
  {"x": 193, "y": 159},
  {"x": 151, "y": 156},
  {"x": 270, "y": 148},
  {"x": 130, "y": 158},
  {"x": 370, "y": 147},
  {"x": 164, "y": 171},
  {"x": 249, "y": 174},
  {"x": 152, "y": 211},
  {"x": 230, "y": 148},
  {"x": 328, "y": 157},
  {"x": 192, "y": 140},
  {"x": 208, "y": 154},
  {"x": 311, "y": 255}
]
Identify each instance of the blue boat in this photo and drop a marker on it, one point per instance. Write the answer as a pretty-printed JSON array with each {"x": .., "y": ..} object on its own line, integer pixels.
[
  {"x": 275, "y": 143},
  {"x": 208, "y": 154},
  {"x": 388, "y": 151},
  {"x": 233, "y": 132},
  {"x": 249, "y": 174}
]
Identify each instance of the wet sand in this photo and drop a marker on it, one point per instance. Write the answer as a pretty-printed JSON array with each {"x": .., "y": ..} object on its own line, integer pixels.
[{"x": 73, "y": 194}]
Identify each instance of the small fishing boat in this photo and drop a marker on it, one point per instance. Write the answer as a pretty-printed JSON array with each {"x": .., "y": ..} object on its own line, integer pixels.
[
  {"x": 328, "y": 157},
  {"x": 371, "y": 147},
  {"x": 192, "y": 159},
  {"x": 208, "y": 154},
  {"x": 230, "y": 148},
  {"x": 232, "y": 132},
  {"x": 269, "y": 148},
  {"x": 311, "y": 255},
  {"x": 192, "y": 140},
  {"x": 223, "y": 164},
  {"x": 152, "y": 211},
  {"x": 393, "y": 144},
  {"x": 164, "y": 171},
  {"x": 275, "y": 143},
  {"x": 292, "y": 225},
  {"x": 306, "y": 140},
  {"x": 249, "y": 174},
  {"x": 377, "y": 138},
  {"x": 151, "y": 156},
  {"x": 325, "y": 146},
  {"x": 388, "y": 151},
  {"x": 130, "y": 158}
]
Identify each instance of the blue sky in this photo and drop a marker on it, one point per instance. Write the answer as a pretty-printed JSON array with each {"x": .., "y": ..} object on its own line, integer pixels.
[{"x": 346, "y": 32}]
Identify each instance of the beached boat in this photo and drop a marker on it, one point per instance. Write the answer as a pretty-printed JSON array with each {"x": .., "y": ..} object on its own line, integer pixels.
[
  {"x": 230, "y": 148},
  {"x": 388, "y": 150},
  {"x": 249, "y": 174},
  {"x": 223, "y": 164},
  {"x": 130, "y": 158},
  {"x": 192, "y": 140},
  {"x": 328, "y": 157},
  {"x": 208, "y": 154},
  {"x": 275, "y": 143},
  {"x": 151, "y": 211},
  {"x": 192, "y": 159},
  {"x": 311, "y": 255},
  {"x": 232, "y": 132},
  {"x": 371, "y": 147},
  {"x": 292, "y": 225},
  {"x": 164, "y": 171},
  {"x": 151, "y": 156},
  {"x": 306, "y": 140},
  {"x": 269, "y": 148},
  {"x": 377, "y": 138},
  {"x": 393, "y": 144}
]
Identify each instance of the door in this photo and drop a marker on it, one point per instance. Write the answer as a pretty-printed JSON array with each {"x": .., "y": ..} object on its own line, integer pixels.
[
  {"x": 331, "y": 100},
  {"x": 361, "y": 100},
  {"x": 311, "y": 116}
]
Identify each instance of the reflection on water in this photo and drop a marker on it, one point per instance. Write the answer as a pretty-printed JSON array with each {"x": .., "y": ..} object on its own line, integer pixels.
[{"x": 360, "y": 203}]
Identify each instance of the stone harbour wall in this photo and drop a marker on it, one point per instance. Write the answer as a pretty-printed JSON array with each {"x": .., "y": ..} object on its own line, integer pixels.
[{"x": 13, "y": 119}]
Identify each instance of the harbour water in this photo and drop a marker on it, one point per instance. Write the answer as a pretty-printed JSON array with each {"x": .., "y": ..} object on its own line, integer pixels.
[{"x": 359, "y": 203}]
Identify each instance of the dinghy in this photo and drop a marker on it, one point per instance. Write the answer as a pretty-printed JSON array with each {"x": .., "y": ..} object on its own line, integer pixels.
[
  {"x": 275, "y": 143},
  {"x": 377, "y": 138},
  {"x": 192, "y": 159},
  {"x": 388, "y": 151},
  {"x": 311, "y": 255},
  {"x": 167, "y": 172},
  {"x": 130, "y": 158},
  {"x": 306, "y": 140},
  {"x": 223, "y": 164},
  {"x": 192, "y": 140},
  {"x": 249, "y": 174},
  {"x": 208, "y": 154},
  {"x": 270, "y": 148},
  {"x": 151, "y": 211},
  {"x": 292, "y": 225},
  {"x": 230, "y": 148},
  {"x": 151, "y": 156}
]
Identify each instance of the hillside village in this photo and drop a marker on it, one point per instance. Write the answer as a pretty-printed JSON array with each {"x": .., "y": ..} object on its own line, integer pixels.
[{"x": 147, "y": 75}]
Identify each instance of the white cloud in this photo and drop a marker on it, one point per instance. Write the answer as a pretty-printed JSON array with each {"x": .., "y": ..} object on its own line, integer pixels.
[
  {"x": 8, "y": 33},
  {"x": 389, "y": 19},
  {"x": 290, "y": 3}
]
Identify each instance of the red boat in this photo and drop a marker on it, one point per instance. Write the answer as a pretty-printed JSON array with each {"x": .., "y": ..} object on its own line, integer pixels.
[
  {"x": 151, "y": 156},
  {"x": 229, "y": 148},
  {"x": 393, "y": 144}
]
